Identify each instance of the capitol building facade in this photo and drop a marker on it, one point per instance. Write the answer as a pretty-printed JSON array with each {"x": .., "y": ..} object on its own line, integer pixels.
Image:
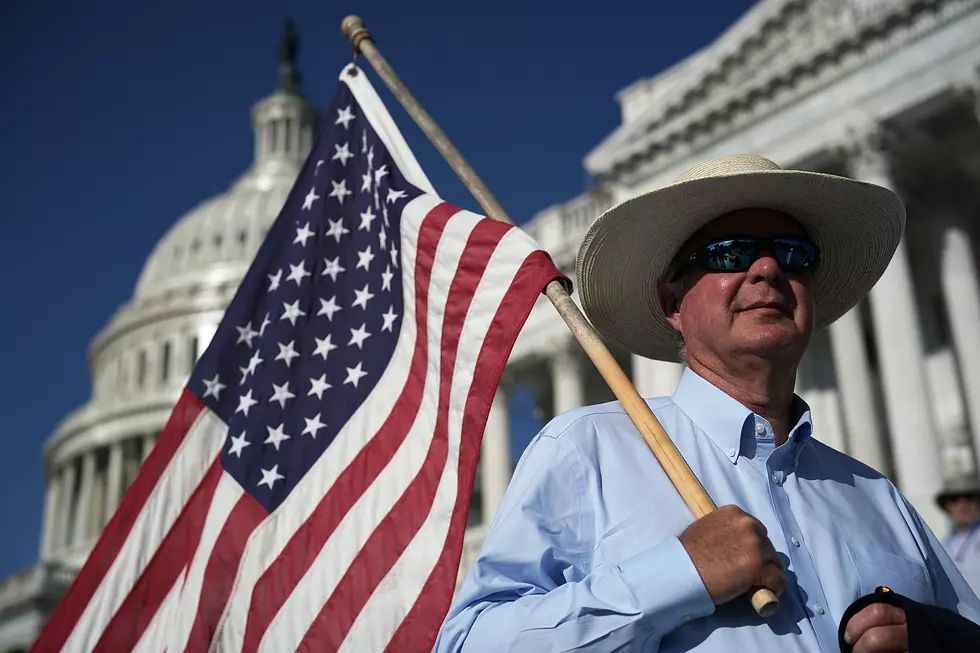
[{"x": 886, "y": 91}]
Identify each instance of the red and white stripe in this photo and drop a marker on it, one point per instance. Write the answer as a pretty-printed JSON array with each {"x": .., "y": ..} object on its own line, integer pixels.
[{"x": 363, "y": 554}]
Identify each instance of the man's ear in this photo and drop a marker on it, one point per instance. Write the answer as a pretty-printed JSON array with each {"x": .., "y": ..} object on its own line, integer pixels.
[{"x": 670, "y": 295}]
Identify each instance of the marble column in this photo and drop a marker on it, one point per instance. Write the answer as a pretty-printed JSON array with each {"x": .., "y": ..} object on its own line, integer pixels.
[
  {"x": 566, "y": 379},
  {"x": 495, "y": 455},
  {"x": 961, "y": 290},
  {"x": 80, "y": 532},
  {"x": 66, "y": 481},
  {"x": 52, "y": 504},
  {"x": 655, "y": 378},
  {"x": 148, "y": 441},
  {"x": 114, "y": 480},
  {"x": 854, "y": 380},
  {"x": 898, "y": 335}
]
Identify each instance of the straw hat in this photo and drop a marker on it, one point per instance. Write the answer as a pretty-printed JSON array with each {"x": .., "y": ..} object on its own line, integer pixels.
[
  {"x": 958, "y": 487},
  {"x": 627, "y": 251}
]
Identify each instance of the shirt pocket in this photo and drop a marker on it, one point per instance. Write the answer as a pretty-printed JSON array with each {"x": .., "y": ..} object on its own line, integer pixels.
[{"x": 901, "y": 574}]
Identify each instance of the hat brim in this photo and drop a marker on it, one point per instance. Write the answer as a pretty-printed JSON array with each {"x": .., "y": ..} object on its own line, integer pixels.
[{"x": 625, "y": 254}]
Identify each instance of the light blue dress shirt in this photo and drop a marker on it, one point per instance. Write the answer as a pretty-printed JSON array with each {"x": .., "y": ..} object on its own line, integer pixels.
[
  {"x": 584, "y": 552},
  {"x": 964, "y": 548}
]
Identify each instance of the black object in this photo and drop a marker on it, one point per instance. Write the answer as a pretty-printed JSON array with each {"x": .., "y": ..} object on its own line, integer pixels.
[{"x": 930, "y": 629}]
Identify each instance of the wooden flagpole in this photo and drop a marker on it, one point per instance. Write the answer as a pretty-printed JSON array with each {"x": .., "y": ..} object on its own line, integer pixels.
[{"x": 763, "y": 600}]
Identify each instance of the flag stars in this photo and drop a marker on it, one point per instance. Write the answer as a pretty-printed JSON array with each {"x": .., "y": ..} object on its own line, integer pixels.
[
  {"x": 380, "y": 173},
  {"x": 253, "y": 364},
  {"x": 291, "y": 312},
  {"x": 274, "y": 280},
  {"x": 362, "y": 297},
  {"x": 213, "y": 388},
  {"x": 328, "y": 308},
  {"x": 337, "y": 229},
  {"x": 297, "y": 273},
  {"x": 394, "y": 254},
  {"x": 386, "y": 278},
  {"x": 324, "y": 346},
  {"x": 366, "y": 181},
  {"x": 318, "y": 386},
  {"x": 342, "y": 153},
  {"x": 303, "y": 234},
  {"x": 394, "y": 195},
  {"x": 370, "y": 157},
  {"x": 238, "y": 445},
  {"x": 270, "y": 476},
  {"x": 344, "y": 116},
  {"x": 276, "y": 436},
  {"x": 309, "y": 199},
  {"x": 281, "y": 394},
  {"x": 312, "y": 426},
  {"x": 364, "y": 258},
  {"x": 366, "y": 219},
  {"x": 354, "y": 375},
  {"x": 246, "y": 334},
  {"x": 358, "y": 336},
  {"x": 389, "y": 318},
  {"x": 340, "y": 190},
  {"x": 265, "y": 322},
  {"x": 287, "y": 352},
  {"x": 317, "y": 169},
  {"x": 383, "y": 238},
  {"x": 245, "y": 402},
  {"x": 332, "y": 267},
  {"x": 363, "y": 141}
]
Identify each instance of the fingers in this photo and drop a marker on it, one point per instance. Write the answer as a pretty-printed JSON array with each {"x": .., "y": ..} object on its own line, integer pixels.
[
  {"x": 874, "y": 617},
  {"x": 774, "y": 578},
  {"x": 884, "y": 639}
]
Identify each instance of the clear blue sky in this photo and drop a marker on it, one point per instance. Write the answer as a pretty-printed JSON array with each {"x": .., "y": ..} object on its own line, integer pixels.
[{"x": 118, "y": 117}]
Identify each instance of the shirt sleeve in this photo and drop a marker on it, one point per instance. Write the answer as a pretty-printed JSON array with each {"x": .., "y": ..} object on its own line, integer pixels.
[
  {"x": 951, "y": 590},
  {"x": 532, "y": 587}
]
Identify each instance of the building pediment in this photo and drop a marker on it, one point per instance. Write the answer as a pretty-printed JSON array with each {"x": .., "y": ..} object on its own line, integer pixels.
[{"x": 780, "y": 49}]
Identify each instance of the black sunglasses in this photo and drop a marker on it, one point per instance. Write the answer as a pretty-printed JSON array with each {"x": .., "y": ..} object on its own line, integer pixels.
[{"x": 738, "y": 253}]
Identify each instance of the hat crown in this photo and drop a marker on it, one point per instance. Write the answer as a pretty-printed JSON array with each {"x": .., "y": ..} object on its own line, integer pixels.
[{"x": 731, "y": 164}]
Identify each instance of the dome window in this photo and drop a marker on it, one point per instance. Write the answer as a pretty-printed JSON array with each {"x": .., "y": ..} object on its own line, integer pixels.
[
  {"x": 218, "y": 240},
  {"x": 242, "y": 237}
]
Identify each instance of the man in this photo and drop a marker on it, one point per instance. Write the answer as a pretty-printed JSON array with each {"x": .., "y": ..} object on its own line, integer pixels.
[
  {"x": 592, "y": 549},
  {"x": 961, "y": 501}
]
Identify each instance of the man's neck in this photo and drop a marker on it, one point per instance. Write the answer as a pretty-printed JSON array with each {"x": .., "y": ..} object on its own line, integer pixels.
[{"x": 763, "y": 387}]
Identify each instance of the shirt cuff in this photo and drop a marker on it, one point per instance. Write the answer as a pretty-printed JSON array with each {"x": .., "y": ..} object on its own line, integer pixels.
[{"x": 667, "y": 586}]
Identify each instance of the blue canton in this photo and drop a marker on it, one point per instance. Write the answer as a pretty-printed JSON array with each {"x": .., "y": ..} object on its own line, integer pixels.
[{"x": 315, "y": 321}]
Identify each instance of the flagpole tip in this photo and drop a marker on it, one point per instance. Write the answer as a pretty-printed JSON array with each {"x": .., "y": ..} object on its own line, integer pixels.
[{"x": 353, "y": 28}]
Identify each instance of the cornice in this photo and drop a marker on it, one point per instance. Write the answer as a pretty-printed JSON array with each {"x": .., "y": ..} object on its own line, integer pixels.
[{"x": 720, "y": 101}]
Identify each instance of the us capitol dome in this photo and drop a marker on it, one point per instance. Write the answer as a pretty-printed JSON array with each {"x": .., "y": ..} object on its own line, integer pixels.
[{"x": 142, "y": 358}]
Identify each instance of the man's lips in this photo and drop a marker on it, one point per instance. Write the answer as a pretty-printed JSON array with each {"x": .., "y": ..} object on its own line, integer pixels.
[{"x": 773, "y": 305}]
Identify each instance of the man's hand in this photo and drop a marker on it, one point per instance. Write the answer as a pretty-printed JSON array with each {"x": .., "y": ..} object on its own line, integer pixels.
[
  {"x": 878, "y": 628},
  {"x": 732, "y": 552}
]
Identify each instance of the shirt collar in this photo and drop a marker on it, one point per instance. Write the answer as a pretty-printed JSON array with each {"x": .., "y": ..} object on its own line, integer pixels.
[{"x": 726, "y": 422}]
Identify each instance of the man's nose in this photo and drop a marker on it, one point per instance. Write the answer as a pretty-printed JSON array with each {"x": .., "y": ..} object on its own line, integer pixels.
[{"x": 764, "y": 268}]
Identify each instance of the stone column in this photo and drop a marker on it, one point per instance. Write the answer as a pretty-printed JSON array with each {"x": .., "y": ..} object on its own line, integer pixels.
[
  {"x": 566, "y": 379},
  {"x": 52, "y": 505},
  {"x": 898, "y": 336},
  {"x": 80, "y": 532},
  {"x": 856, "y": 387},
  {"x": 114, "y": 480},
  {"x": 66, "y": 481},
  {"x": 495, "y": 455},
  {"x": 961, "y": 289},
  {"x": 655, "y": 378},
  {"x": 148, "y": 441}
]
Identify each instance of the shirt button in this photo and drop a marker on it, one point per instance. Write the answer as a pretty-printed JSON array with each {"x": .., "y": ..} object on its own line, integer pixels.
[
  {"x": 760, "y": 429},
  {"x": 795, "y": 541},
  {"x": 775, "y": 478},
  {"x": 818, "y": 608},
  {"x": 731, "y": 452}
]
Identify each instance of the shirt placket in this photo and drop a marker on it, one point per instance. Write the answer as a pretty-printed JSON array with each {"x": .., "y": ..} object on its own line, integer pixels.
[{"x": 778, "y": 466}]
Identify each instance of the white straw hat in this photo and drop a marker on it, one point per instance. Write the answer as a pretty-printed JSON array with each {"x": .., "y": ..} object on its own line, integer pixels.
[{"x": 627, "y": 251}]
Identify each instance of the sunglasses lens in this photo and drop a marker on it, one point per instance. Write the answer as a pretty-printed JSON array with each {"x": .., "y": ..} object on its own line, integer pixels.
[
  {"x": 794, "y": 253},
  {"x": 730, "y": 255}
]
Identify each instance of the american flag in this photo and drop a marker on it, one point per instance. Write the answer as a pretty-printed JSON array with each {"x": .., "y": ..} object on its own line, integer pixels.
[{"x": 311, "y": 487}]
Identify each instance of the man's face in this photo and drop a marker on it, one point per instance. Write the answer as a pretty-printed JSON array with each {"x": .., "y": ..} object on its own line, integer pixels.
[
  {"x": 762, "y": 311},
  {"x": 963, "y": 510}
]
